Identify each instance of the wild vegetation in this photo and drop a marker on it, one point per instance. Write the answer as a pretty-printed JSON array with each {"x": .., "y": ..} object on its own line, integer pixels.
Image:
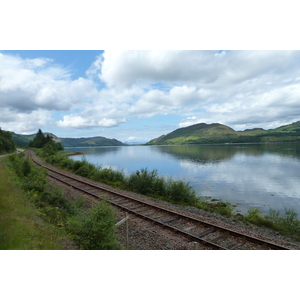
[
  {"x": 178, "y": 192},
  {"x": 7, "y": 145},
  {"x": 217, "y": 133},
  {"x": 143, "y": 181},
  {"x": 149, "y": 183},
  {"x": 21, "y": 227},
  {"x": 46, "y": 142},
  {"x": 286, "y": 223},
  {"x": 91, "y": 229},
  {"x": 23, "y": 140}
]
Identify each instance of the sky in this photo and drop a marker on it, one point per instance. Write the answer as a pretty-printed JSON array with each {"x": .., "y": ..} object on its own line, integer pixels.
[
  {"x": 136, "y": 70},
  {"x": 138, "y": 95}
]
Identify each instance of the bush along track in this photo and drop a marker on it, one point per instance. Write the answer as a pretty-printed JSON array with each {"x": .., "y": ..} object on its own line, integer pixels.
[
  {"x": 177, "y": 192},
  {"x": 91, "y": 229},
  {"x": 144, "y": 182}
]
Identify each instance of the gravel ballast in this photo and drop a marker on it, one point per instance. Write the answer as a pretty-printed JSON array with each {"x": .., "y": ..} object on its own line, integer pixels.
[{"x": 142, "y": 236}]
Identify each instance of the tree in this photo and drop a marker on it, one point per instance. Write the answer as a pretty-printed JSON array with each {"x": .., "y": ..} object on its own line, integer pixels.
[
  {"x": 40, "y": 141},
  {"x": 6, "y": 142}
]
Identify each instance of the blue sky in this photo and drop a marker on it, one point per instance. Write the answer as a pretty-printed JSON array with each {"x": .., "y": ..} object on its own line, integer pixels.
[
  {"x": 135, "y": 96},
  {"x": 77, "y": 61}
]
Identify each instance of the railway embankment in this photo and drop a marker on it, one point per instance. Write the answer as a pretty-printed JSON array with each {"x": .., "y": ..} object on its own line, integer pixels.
[
  {"x": 143, "y": 234},
  {"x": 21, "y": 224},
  {"x": 217, "y": 220}
]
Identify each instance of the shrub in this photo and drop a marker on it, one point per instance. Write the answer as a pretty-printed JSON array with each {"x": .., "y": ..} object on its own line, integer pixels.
[
  {"x": 84, "y": 170},
  {"x": 94, "y": 229},
  {"x": 254, "y": 216},
  {"x": 26, "y": 167},
  {"x": 286, "y": 222},
  {"x": 181, "y": 192},
  {"x": 148, "y": 183},
  {"x": 142, "y": 181},
  {"x": 77, "y": 164},
  {"x": 35, "y": 181},
  {"x": 160, "y": 187},
  {"x": 108, "y": 175}
]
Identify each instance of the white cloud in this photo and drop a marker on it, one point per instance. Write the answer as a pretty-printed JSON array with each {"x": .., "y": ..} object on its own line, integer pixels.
[
  {"x": 125, "y": 68},
  {"x": 24, "y": 123},
  {"x": 230, "y": 87},
  {"x": 34, "y": 87},
  {"x": 237, "y": 88},
  {"x": 77, "y": 121}
]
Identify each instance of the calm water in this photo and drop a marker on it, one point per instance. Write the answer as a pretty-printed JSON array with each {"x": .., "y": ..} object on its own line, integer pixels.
[{"x": 249, "y": 175}]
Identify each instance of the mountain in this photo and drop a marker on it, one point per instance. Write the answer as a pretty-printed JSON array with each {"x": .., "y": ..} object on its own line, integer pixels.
[
  {"x": 23, "y": 140},
  {"x": 91, "y": 141},
  {"x": 217, "y": 133}
]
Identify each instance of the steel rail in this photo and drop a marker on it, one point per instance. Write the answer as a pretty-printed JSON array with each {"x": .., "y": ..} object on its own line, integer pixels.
[{"x": 192, "y": 237}]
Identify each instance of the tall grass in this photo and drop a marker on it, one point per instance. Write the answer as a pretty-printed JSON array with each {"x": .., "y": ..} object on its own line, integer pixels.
[{"x": 21, "y": 227}]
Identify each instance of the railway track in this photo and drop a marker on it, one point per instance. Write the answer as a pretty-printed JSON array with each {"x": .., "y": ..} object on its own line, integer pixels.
[{"x": 192, "y": 229}]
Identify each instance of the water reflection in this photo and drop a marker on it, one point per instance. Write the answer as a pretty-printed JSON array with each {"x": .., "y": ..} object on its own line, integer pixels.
[
  {"x": 263, "y": 176},
  {"x": 216, "y": 153}
]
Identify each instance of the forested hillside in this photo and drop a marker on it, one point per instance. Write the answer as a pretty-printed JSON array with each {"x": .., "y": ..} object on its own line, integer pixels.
[
  {"x": 217, "y": 133},
  {"x": 45, "y": 142},
  {"x": 23, "y": 140},
  {"x": 6, "y": 142},
  {"x": 91, "y": 141}
]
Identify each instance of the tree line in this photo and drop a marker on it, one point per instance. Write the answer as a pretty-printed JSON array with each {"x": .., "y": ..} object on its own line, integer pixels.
[
  {"x": 6, "y": 143},
  {"x": 45, "y": 142}
]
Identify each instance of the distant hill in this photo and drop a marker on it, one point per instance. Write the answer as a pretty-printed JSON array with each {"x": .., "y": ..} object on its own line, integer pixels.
[
  {"x": 23, "y": 140},
  {"x": 217, "y": 133},
  {"x": 92, "y": 141}
]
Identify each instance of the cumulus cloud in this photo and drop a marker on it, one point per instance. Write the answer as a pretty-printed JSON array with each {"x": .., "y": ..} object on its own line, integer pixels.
[
  {"x": 237, "y": 88},
  {"x": 216, "y": 68},
  {"x": 77, "y": 121},
  {"x": 31, "y": 84},
  {"x": 24, "y": 123},
  {"x": 35, "y": 87},
  {"x": 125, "y": 68}
]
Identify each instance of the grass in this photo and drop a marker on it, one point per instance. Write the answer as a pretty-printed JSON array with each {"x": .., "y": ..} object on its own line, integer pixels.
[
  {"x": 220, "y": 207},
  {"x": 36, "y": 214},
  {"x": 21, "y": 227}
]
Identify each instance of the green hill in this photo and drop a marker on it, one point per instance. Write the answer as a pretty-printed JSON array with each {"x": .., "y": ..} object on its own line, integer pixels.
[
  {"x": 217, "y": 133},
  {"x": 23, "y": 140},
  {"x": 92, "y": 141}
]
